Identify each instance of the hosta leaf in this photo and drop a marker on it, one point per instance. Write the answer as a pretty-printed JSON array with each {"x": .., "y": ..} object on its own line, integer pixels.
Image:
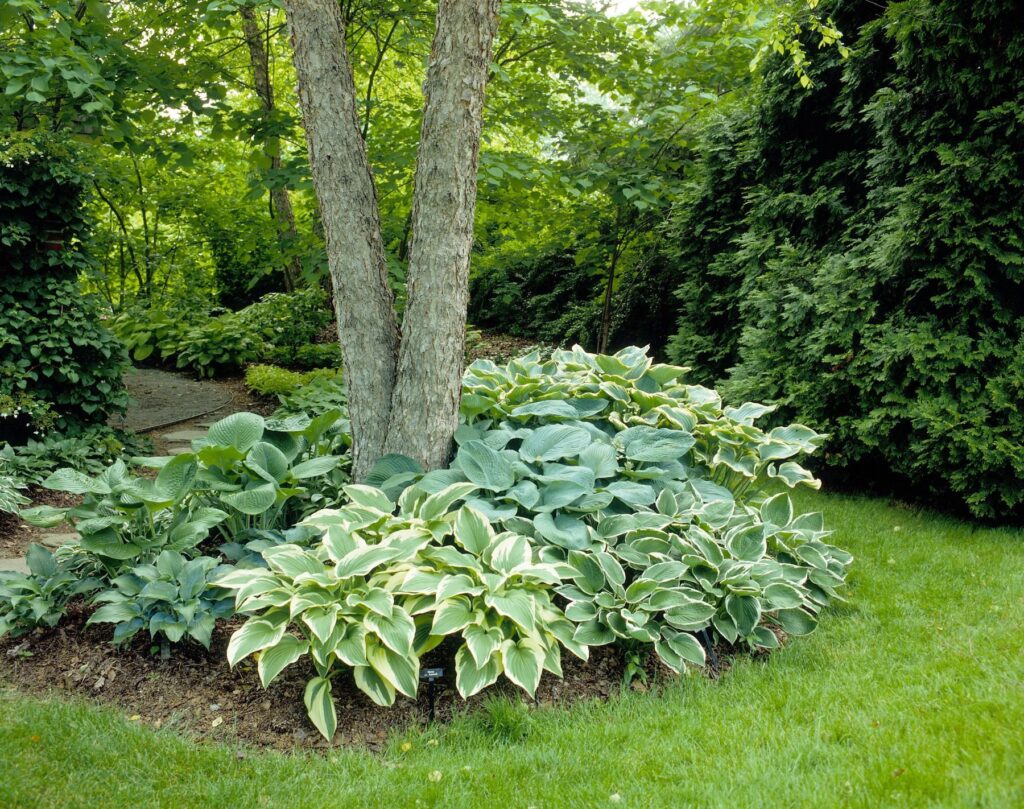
[
  {"x": 553, "y": 442},
  {"x": 797, "y": 621},
  {"x": 692, "y": 616},
  {"x": 601, "y": 459},
  {"x": 481, "y": 642},
  {"x": 523, "y": 663},
  {"x": 176, "y": 477},
  {"x": 437, "y": 505},
  {"x": 562, "y": 530},
  {"x": 315, "y": 467},
  {"x": 401, "y": 670},
  {"x": 320, "y": 706},
  {"x": 632, "y": 494},
  {"x": 396, "y": 632},
  {"x": 780, "y": 595},
  {"x": 747, "y": 544},
  {"x": 556, "y": 408},
  {"x": 472, "y": 530},
  {"x": 73, "y": 482},
  {"x": 777, "y": 510},
  {"x": 485, "y": 467},
  {"x": 254, "y": 635},
  {"x": 292, "y": 561},
  {"x": 239, "y": 430},
  {"x": 321, "y": 621},
  {"x": 275, "y": 659},
  {"x": 252, "y": 501},
  {"x": 593, "y": 633},
  {"x": 745, "y": 612},
  {"x": 471, "y": 677},
  {"x": 451, "y": 616},
  {"x": 376, "y": 687},
  {"x": 516, "y": 605},
  {"x": 687, "y": 647},
  {"x": 511, "y": 552}
]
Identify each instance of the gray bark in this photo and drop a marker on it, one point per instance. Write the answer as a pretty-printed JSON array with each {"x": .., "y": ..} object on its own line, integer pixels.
[
  {"x": 367, "y": 328},
  {"x": 280, "y": 202},
  {"x": 425, "y": 405}
]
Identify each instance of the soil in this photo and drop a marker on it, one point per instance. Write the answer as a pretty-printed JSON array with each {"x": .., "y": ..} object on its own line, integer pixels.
[
  {"x": 498, "y": 347},
  {"x": 197, "y": 694},
  {"x": 16, "y": 534}
]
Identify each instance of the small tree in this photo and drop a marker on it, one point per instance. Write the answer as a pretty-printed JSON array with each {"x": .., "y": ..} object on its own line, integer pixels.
[{"x": 404, "y": 382}]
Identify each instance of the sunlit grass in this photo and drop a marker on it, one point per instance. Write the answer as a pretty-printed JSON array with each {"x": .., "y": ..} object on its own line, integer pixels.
[{"x": 910, "y": 695}]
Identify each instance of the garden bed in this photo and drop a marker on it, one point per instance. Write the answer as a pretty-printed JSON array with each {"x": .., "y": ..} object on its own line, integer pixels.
[{"x": 195, "y": 693}]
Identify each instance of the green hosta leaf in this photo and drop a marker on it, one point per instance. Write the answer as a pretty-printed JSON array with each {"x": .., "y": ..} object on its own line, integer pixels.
[
  {"x": 43, "y": 516},
  {"x": 252, "y": 501},
  {"x": 351, "y": 649},
  {"x": 747, "y": 544},
  {"x": 369, "y": 497},
  {"x": 320, "y": 706},
  {"x": 239, "y": 430},
  {"x": 452, "y": 616},
  {"x": 390, "y": 466},
  {"x": 402, "y": 670},
  {"x": 764, "y": 638},
  {"x": 472, "y": 530},
  {"x": 556, "y": 408},
  {"x": 114, "y": 613},
  {"x": 254, "y": 635},
  {"x": 692, "y": 616},
  {"x": 523, "y": 663},
  {"x": 397, "y": 632},
  {"x": 40, "y": 561},
  {"x": 481, "y": 642},
  {"x": 553, "y": 442},
  {"x": 777, "y": 510},
  {"x": 562, "y": 530},
  {"x": 267, "y": 461},
  {"x": 175, "y": 478},
  {"x": 593, "y": 633},
  {"x": 68, "y": 480},
  {"x": 745, "y": 612},
  {"x": 321, "y": 621},
  {"x": 687, "y": 647},
  {"x": 654, "y": 443},
  {"x": 437, "y": 505},
  {"x": 471, "y": 677},
  {"x": 632, "y": 494},
  {"x": 315, "y": 467},
  {"x": 485, "y": 467},
  {"x": 601, "y": 459},
  {"x": 796, "y": 622},
  {"x": 780, "y": 595},
  {"x": 511, "y": 552},
  {"x": 516, "y": 605},
  {"x": 525, "y": 493},
  {"x": 275, "y": 659},
  {"x": 376, "y": 687}
]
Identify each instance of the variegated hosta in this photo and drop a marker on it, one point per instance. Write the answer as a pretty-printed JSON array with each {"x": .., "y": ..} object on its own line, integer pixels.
[
  {"x": 381, "y": 590},
  {"x": 657, "y": 577}
]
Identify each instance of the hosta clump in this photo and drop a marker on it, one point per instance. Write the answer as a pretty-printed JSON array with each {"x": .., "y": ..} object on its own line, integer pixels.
[
  {"x": 651, "y": 491},
  {"x": 40, "y": 598},
  {"x": 381, "y": 590},
  {"x": 172, "y": 598}
]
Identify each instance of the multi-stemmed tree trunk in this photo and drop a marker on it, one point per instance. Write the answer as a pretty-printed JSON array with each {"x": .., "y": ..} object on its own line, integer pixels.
[
  {"x": 280, "y": 203},
  {"x": 404, "y": 385}
]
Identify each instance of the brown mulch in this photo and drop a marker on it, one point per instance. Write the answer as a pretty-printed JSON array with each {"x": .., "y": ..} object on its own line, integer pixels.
[
  {"x": 16, "y": 534},
  {"x": 196, "y": 693},
  {"x": 498, "y": 347}
]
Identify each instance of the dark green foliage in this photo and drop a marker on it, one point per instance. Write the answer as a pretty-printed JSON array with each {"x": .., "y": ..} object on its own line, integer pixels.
[
  {"x": 53, "y": 347},
  {"x": 878, "y": 257}
]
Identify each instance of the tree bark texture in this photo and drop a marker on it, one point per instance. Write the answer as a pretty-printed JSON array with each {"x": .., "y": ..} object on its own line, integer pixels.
[
  {"x": 425, "y": 405},
  {"x": 367, "y": 327},
  {"x": 280, "y": 201}
]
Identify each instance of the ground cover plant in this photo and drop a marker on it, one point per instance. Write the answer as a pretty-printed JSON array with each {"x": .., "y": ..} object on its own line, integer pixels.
[{"x": 593, "y": 499}]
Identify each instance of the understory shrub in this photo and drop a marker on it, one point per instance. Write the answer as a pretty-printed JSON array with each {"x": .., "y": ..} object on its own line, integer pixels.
[
  {"x": 592, "y": 500},
  {"x": 54, "y": 350},
  {"x": 859, "y": 258}
]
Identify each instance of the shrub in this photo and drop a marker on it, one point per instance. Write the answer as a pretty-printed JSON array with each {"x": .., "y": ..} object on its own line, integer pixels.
[
  {"x": 270, "y": 380},
  {"x": 877, "y": 262},
  {"x": 53, "y": 347}
]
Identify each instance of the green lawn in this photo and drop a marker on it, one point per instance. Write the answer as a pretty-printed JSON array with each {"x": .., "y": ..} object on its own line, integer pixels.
[{"x": 912, "y": 695}]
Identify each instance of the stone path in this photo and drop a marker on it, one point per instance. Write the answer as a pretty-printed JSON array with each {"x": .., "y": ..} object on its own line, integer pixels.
[
  {"x": 162, "y": 398},
  {"x": 52, "y": 541}
]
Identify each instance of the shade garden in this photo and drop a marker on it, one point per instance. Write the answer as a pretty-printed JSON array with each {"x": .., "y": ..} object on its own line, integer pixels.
[{"x": 593, "y": 500}]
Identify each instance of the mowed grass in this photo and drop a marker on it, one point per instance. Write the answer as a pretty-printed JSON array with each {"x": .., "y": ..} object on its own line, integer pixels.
[{"x": 910, "y": 695}]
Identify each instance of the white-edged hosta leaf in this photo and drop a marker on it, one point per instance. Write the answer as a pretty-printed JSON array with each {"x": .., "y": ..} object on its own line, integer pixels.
[
  {"x": 374, "y": 686},
  {"x": 396, "y": 632},
  {"x": 274, "y": 659},
  {"x": 482, "y": 642},
  {"x": 401, "y": 670},
  {"x": 523, "y": 662},
  {"x": 472, "y": 530},
  {"x": 254, "y": 635},
  {"x": 470, "y": 677},
  {"x": 320, "y": 706}
]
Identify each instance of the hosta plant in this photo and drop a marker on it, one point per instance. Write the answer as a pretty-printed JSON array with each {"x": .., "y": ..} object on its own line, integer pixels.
[
  {"x": 381, "y": 590},
  {"x": 172, "y": 598},
  {"x": 39, "y": 598}
]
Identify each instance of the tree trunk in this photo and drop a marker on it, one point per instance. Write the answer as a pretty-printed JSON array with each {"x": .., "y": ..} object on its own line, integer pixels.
[
  {"x": 367, "y": 327},
  {"x": 280, "y": 203},
  {"x": 425, "y": 405}
]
